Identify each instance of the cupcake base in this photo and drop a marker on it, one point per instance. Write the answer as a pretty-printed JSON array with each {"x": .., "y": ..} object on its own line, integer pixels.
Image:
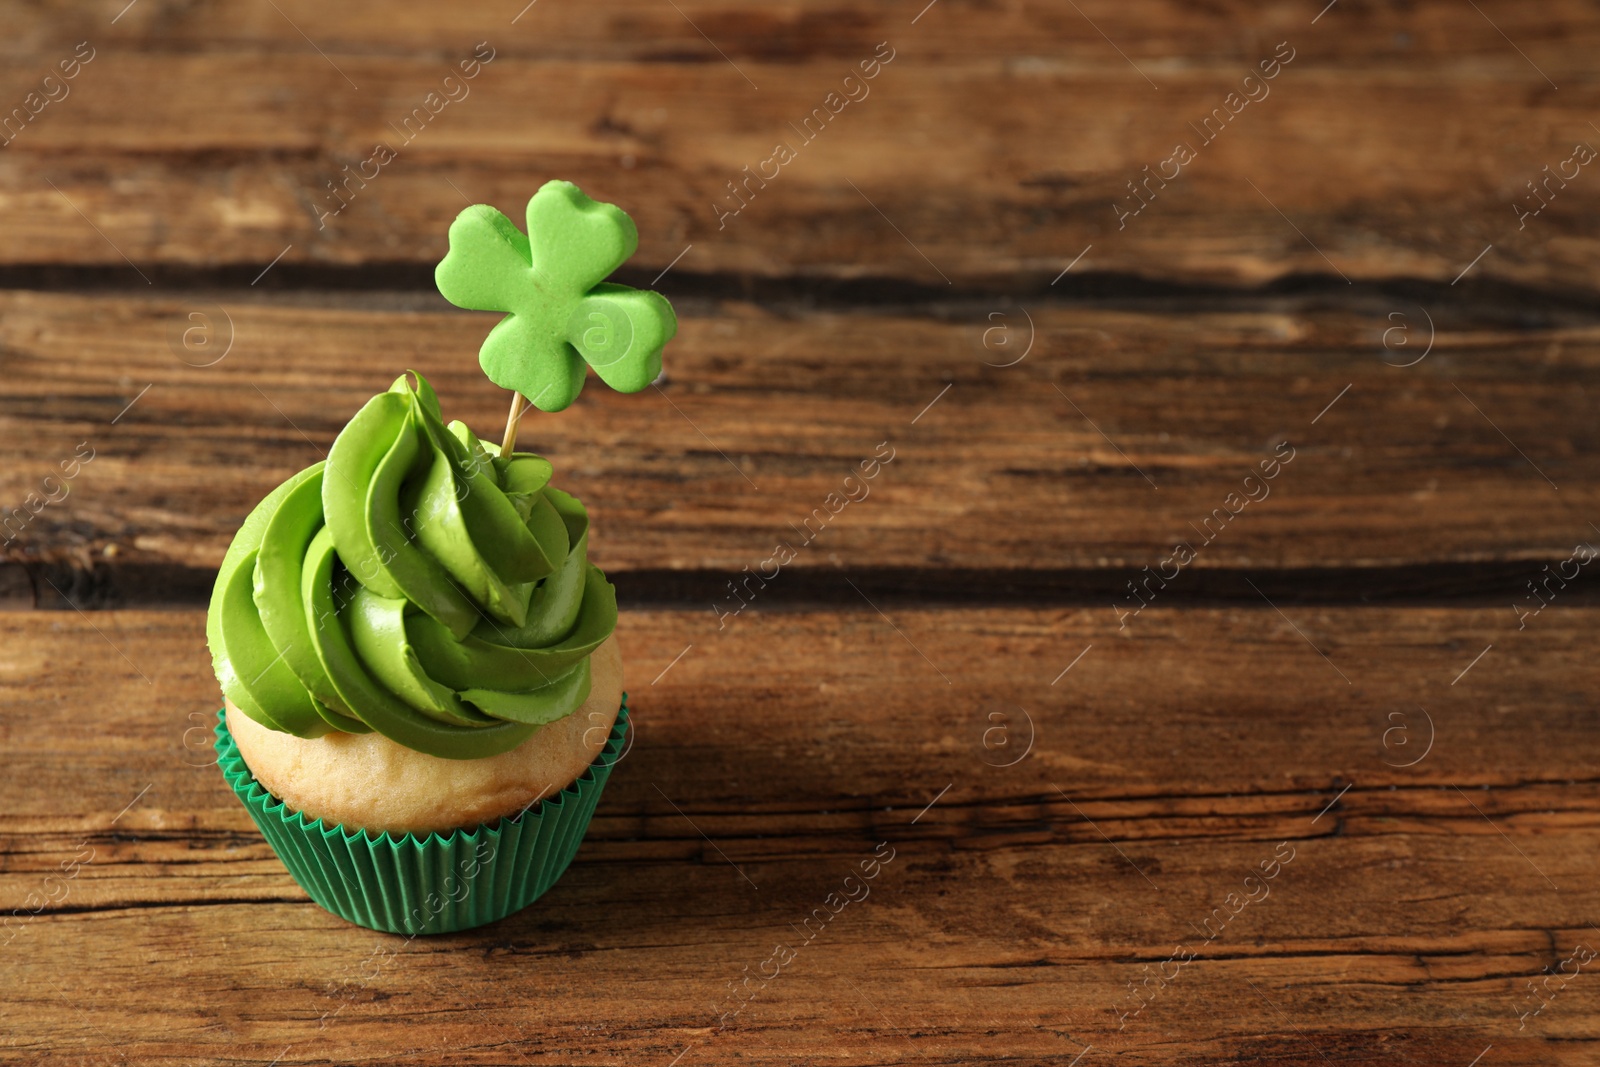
[{"x": 430, "y": 883}]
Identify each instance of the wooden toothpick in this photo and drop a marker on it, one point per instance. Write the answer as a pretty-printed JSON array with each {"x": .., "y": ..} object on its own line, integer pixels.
[{"x": 513, "y": 419}]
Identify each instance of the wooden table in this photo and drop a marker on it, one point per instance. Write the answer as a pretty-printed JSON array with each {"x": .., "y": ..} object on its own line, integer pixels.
[{"x": 1322, "y": 791}]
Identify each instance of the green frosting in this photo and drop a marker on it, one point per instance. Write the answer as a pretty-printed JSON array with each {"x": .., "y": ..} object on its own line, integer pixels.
[{"x": 416, "y": 583}]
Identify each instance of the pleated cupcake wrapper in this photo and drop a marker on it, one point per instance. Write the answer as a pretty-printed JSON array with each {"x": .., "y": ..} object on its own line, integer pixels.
[{"x": 437, "y": 883}]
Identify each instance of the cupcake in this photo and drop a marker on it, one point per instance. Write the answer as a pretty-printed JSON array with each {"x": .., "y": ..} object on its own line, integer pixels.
[{"x": 422, "y": 687}]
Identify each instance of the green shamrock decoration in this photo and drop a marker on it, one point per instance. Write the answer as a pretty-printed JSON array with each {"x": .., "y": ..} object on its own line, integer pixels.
[{"x": 561, "y": 314}]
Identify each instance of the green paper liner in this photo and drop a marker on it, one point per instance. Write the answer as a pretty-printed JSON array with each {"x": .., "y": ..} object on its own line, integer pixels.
[{"x": 436, "y": 884}]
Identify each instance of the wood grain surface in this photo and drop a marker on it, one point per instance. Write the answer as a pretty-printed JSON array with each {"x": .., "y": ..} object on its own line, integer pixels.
[
  {"x": 1165, "y": 767},
  {"x": 1116, "y": 435},
  {"x": 1375, "y": 679},
  {"x": 991, "y": 150}
]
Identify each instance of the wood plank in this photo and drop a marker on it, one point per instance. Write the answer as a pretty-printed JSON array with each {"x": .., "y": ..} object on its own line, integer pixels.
[
  {"x": 1011, "y": 921},
  {"x": 1119, "y": 435},
  {"x": 1404, "y": 163},
  {"x": 640, "y": 31}
]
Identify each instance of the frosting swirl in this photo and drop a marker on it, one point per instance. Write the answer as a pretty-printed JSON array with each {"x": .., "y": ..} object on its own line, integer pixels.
[{"x": 415, "y": 583}]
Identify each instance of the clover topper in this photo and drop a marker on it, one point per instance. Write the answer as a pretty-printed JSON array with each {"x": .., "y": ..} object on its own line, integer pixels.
[{"x": 562, "y": 316}]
